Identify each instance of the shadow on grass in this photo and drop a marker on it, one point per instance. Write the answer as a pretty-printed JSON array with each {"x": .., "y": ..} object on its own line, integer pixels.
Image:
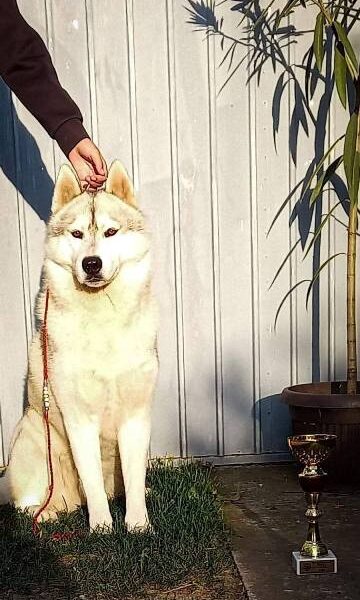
[
  {"x": 189, "y": 539},
  {"x": 28, "y": 565}
]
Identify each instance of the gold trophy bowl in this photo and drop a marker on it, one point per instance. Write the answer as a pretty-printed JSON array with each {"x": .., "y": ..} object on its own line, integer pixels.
[{"x": 311, "y": 451}]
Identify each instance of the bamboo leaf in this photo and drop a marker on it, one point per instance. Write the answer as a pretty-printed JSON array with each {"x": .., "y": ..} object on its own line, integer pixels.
[
  {"x": 323, "y": 180},
  {"x": 354, "y": 190},
  {"x": 284, "y": 262},
  {"x": 286, "y": 201},
  {"x": 286, "y": 297},
  {"x": 320, "y": 164},
  {"x": 319, "y": 229},
  {"x": 349, "y": 52},
  {"x": 352, "y": 158},
  {"x": 340, "y": 74},
  {"x": 305, "y": 187},
  {"x": 317, "y": 189},
  {"x": 317, "y": 274},
  {"x": 318, "y": 43},
  {"x": 350, "y": 149}
]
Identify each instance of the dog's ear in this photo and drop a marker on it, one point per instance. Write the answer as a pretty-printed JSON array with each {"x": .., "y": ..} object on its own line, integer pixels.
[
  {"x": 67, "y": 187},
  {"x": 119, "y": 184}
]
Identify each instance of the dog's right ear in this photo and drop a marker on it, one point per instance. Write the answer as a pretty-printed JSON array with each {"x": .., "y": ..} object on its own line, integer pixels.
[{"x": 67, "y": 187}]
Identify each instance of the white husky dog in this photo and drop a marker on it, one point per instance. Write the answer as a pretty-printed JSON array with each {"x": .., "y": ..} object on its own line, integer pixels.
[{"x": 102, "y": 358}]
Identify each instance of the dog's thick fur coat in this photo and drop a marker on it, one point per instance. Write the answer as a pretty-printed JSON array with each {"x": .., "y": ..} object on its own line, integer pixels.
[{"x": 102, "y": 358}]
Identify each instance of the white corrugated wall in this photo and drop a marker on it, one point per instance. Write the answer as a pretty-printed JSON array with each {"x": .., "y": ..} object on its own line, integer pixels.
[{"x": 210, "y": 182}]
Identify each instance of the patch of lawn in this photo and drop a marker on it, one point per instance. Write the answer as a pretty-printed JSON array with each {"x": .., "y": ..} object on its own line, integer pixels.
[{"x": 189, "y": 541}]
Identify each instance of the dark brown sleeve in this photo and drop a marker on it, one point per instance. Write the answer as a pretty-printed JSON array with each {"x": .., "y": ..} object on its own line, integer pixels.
[{"x": 26, "y": 67}]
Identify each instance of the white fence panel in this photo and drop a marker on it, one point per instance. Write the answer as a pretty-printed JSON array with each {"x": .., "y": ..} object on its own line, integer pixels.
[{"x": 210, "y": 182}]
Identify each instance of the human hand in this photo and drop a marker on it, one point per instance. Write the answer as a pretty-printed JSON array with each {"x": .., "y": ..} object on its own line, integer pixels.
[{"x": 89, "y": 165}]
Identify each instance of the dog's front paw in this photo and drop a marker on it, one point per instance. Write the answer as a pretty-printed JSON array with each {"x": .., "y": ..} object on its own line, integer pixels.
[
  {"x": 138, "y": 524},
  {"x": 101, "y": 522}
]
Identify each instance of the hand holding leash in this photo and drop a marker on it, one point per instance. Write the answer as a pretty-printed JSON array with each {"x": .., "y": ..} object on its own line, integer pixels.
[{"x": 89, "y": 165}]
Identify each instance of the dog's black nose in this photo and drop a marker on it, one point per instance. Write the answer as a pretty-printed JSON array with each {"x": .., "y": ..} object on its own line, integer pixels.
[{"x": 92, "y": 265}]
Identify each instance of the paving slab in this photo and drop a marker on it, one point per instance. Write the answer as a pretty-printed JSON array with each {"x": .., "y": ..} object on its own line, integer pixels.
[{"x": 265, "y": 507}]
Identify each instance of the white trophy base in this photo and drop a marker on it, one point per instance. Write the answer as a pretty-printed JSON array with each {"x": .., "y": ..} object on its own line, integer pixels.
[{"x": 311, "y": 566}]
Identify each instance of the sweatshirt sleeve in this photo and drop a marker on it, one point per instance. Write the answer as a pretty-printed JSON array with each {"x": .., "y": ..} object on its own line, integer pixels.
[{"x": 26, "y": 67}]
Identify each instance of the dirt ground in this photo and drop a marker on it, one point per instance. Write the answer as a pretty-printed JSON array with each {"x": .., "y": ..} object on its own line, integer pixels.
[{"x": 224, "y": 586}]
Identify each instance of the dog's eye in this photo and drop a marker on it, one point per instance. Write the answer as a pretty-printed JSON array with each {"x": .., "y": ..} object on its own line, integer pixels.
[
  {"x": 77, "y": 234},
  {"x": 110, "y": 232}
]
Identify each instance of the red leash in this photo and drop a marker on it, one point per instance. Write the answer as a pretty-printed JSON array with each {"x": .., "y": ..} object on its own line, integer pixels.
[
  {"x": 46, "y": 404},
  {"x": 57, "y": 535}
]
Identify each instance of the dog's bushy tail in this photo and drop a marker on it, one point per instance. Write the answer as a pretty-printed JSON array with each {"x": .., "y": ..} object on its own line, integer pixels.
[{"x": 5, "y": 494}]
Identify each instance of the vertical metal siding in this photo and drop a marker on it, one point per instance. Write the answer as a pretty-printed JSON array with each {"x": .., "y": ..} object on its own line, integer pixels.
[{"x": 210, "y": 182}]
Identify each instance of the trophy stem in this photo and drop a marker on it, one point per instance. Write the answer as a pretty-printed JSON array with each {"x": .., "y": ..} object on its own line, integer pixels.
[{"x": 313, "y": 547}]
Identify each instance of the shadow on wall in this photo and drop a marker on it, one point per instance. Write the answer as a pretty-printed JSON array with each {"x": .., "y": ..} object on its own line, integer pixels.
[
  {"x": 275, "y": 423},
  {"x": 18, "y": 147},
  {"x": 242, "y": 415}
]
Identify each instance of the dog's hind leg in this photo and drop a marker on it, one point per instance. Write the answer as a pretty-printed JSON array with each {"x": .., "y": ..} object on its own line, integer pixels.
[{"x": 27, "y": 473}]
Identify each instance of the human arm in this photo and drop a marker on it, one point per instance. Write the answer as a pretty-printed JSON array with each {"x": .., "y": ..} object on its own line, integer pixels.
[{"x": 26, "y": 67}]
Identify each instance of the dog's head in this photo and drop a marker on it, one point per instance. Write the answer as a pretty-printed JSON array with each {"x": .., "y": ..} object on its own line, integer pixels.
[{"x": 94, "y": 234}]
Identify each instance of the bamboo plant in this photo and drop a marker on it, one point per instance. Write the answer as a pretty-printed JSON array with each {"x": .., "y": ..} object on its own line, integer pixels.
[{"x": 265, "y": 34}]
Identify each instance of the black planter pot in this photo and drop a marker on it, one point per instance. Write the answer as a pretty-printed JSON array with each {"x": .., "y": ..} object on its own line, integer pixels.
[{"x": 326, "y": 408}]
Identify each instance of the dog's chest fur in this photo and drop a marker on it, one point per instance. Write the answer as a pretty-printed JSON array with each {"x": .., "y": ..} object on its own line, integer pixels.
[
  {"x": 97, "y": 354},
  {"x": 100, "y": 356}
]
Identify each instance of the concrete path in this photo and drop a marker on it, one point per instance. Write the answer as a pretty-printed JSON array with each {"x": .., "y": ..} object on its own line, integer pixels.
[{"x": 265, "y": 507}]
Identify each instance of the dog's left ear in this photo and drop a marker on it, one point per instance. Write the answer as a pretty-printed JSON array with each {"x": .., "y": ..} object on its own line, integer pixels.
[
  {"x": 119, "y": 184},
  {"x": 67, "y": 187}
]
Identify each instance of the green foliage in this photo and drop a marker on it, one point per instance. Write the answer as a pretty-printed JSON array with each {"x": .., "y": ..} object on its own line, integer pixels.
[
  {"x": 350, "y": 57},
  {"x": 266, "y": 33},
  {"x": 318, "y": 43},
  {"x": 351, "y": 157},
  {"x": 189, "y": 538},
  {"x": 340, "y": 73}
]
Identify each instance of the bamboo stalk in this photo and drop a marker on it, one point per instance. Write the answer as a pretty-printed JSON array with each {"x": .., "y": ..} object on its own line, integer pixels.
[{"x": 351, "y": 301}]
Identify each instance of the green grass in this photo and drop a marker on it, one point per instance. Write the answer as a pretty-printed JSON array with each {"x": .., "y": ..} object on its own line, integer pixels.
[{"x": 189, "y": 539}]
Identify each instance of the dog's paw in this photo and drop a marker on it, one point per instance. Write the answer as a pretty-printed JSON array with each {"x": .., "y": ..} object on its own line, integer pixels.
[
  {"x": 138, "y": 524},
  {"x": 46, "y": 515},
  {"x": 101, "y": 523}
]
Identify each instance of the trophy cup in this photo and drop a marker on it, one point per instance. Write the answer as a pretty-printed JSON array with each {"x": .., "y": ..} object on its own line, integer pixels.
[{"x": 311, "y": 451}]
